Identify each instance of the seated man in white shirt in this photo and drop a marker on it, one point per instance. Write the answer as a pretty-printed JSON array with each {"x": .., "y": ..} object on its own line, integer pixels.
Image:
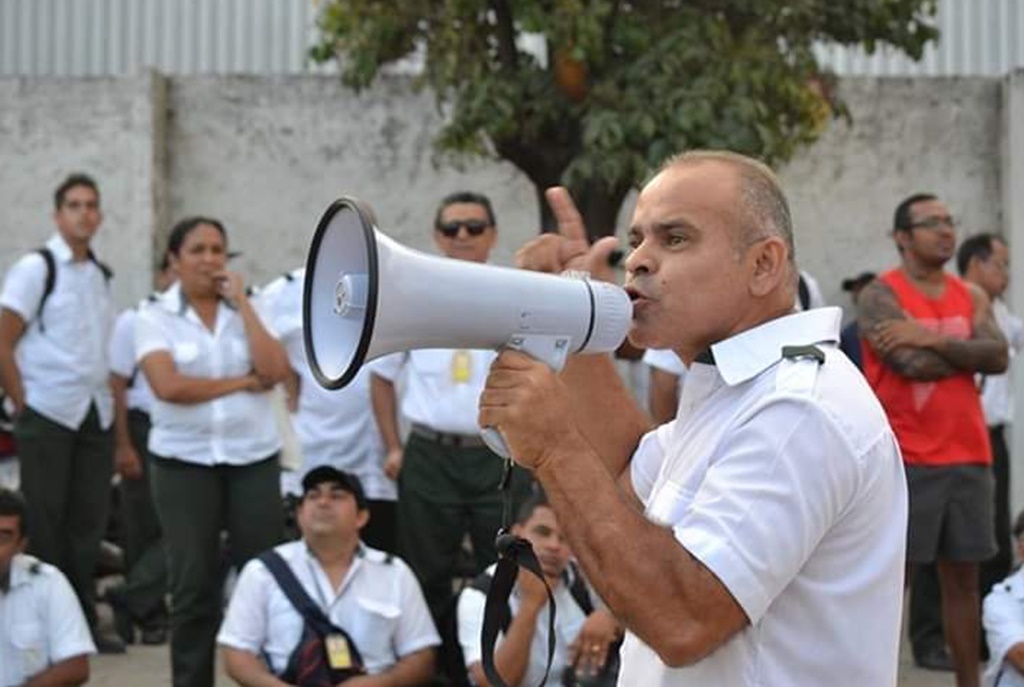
[
  {"x": 584, "y": 636},
  {"x": 371, "y": 596},
  {"x": 1003, "y": 620},
  {"x": 44, "y": 639}
]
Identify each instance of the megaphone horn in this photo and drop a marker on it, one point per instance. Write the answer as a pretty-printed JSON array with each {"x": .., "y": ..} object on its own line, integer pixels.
[{"x": 367, "y": 296}]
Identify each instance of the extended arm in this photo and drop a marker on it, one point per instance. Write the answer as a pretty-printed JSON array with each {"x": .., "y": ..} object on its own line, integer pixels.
[{"x": 126, "y": 459}]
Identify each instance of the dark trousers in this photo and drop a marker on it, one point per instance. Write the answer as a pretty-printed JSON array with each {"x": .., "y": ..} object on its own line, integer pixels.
[
  {"x": 145, "y": 563},
  {"x": 445, "y": 493},
  {"x": 925, "y": 624},
  {"x": 382, "y": 529},
  {"x": 195, "y": 503},
  {"x": 65, "y": 477}
]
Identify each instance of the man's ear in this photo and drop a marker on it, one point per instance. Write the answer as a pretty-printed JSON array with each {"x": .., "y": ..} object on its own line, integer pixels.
[
  {"x": 769, "y": 265},
  {"x": 362, "y": 517}
]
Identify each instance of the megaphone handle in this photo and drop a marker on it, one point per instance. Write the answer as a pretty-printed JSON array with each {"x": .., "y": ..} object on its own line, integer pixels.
[
  {"x": 492, "y": 437},
  {"x": 551, "y": 350}
]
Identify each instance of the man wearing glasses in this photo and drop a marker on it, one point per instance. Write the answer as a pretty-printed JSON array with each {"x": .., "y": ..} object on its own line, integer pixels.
[
  {"x": 449, "y": 478},
  {"x": 926, "y": 334}
]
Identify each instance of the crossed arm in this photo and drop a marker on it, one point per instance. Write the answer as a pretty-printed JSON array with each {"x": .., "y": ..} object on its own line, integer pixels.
[{"x": 919, "y": 353}]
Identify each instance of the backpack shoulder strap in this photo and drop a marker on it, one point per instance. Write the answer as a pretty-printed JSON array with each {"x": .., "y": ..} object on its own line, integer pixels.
[
  {"x": 49, "y": 282},
  {"x": 292, "y": 589},
  {"x": 108, "y": 273}
]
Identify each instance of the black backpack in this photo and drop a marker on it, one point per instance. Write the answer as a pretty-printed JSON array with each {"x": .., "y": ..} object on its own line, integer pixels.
[
  {"x": 308, "y": 665},
  {"x": 452, "y": 660},
  {"x": 51, "y": 278}
]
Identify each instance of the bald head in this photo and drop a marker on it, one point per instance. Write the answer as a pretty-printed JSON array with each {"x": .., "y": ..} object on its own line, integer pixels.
[{"x": 764, "y": 210}]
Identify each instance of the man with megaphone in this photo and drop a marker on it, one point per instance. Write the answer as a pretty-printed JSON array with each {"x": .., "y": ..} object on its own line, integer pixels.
[{"x": 759, "y": 538}]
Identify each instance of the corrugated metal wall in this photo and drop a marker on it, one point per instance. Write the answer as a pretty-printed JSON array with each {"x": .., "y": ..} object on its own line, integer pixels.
[{"x": 105, "y": 37}]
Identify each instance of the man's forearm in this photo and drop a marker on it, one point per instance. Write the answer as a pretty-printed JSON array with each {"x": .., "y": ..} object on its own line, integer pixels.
[
  {"x": 920, "y": 364},
  {"x": 413, "y": 669},
  {"x": 10, "y": 377},
  {"x": 249, "y": 670},
  {"x": 988, "y": 356},
  {"x": 385, "y": 410},
  {"x": 687, "y": 612},
  {"x": 66, "y": 673}
]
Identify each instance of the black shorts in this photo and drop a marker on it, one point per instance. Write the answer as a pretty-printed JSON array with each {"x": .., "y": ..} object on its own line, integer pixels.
[{"x": 951, "y": 513}]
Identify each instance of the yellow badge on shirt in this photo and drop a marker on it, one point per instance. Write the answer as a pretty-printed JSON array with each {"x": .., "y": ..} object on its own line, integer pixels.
[
  {"x": 338, "y": 654},
  {"x": 462, "y": 367}
]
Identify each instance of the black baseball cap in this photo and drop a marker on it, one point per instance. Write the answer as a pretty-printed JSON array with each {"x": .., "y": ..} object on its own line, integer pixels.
[
  {"x": 854, "y": 283},
  {"x": 345, "y": 480}
]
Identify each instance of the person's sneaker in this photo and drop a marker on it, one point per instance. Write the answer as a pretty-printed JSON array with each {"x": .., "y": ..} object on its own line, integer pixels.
[
  {"x": 108, "y": 644},
  {"x": 935, "y": 659}
]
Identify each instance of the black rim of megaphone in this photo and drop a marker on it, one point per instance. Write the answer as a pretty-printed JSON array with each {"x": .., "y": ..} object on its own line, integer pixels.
[{"x": 370, "y": 241}]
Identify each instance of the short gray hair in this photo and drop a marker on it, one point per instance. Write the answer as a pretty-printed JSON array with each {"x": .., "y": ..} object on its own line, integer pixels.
[{"x": 765, "y": 209}]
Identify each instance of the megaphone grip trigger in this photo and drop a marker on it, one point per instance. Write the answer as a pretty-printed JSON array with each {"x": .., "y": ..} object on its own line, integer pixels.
[{"x": 492, "y": 437}]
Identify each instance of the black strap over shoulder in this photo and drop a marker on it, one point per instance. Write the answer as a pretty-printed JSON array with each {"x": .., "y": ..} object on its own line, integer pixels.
[
  {"x": 513, "y": 553},
  {"x": 51, "y": 278},
  {"x": 292, "y": 588}
]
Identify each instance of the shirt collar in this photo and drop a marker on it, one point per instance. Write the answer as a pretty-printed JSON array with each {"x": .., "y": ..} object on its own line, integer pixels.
[
  {"x": 60, "y": 248},
  {"x": 22, "y": 569},
  {"x": 174, "y": 300},
  {"x": 749, "y": 353}
]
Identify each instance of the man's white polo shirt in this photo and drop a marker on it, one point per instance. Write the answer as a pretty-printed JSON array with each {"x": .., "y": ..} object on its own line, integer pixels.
[
  {"x": 442, "y": 387},
  {"x": 123, "y": 363},
  {"x": 783, "y": 478},
  {"x": 41, "y": 622},
  {"x": 379, "y": 604},
  {"x": 63, "y": 364},
  {"x": 236, "y": 429},
  {"x": 569, "y": 619},
  {"x": 334, "y": 427}
]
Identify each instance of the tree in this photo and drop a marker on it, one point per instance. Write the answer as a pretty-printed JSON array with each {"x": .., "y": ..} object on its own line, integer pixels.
[{"x": 624, "y": 84}]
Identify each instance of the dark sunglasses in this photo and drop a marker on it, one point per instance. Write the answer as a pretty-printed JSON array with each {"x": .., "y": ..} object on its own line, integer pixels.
[{"x": 475, "y": 227}]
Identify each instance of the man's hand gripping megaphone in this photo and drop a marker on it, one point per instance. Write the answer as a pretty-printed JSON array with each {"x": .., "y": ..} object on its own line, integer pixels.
[{"x": 523, "y": 399}]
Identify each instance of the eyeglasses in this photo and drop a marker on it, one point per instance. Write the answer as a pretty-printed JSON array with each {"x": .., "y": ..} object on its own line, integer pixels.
[
  {"x": 934, "y": 223},
  {"x": 475, "y": 227}
]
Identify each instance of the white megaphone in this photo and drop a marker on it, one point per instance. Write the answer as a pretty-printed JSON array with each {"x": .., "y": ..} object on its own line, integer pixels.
[{"x": 366, "y": 296}]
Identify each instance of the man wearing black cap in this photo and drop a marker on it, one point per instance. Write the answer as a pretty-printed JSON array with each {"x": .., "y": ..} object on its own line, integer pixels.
[
  {"x": 849, "y": 337},
  {"x": 381, "y": 625}
]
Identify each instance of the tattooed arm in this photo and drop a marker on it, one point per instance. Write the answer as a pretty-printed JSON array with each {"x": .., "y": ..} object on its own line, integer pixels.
[
  {"x": 877, "y": 309},
  {"x": 905, "y": 344},
  {"x": 986, "y": 351}
]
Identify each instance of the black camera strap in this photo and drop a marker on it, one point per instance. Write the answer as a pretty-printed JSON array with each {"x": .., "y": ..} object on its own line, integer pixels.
[{"x": 513, "y": 553}]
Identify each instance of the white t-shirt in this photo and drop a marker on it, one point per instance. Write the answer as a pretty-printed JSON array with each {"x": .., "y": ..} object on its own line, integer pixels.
[
  {"x": 996, "y": 399},
  {"x": 236, "y": 429},
  {"x": 334, "y": 427},
  {"x": 41, "y": 622},
  {"x": 379, "y": 604},
  {"x": 122, "y": 362},
  {"x": 569, "y": 619},
  {"x": 784, "y": 479},
  {"x": 63, "y": 363},
  {"x": 442, "y": 387}
]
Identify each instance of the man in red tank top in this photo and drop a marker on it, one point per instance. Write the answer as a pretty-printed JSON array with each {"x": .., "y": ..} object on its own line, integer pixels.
[{"x": 925, "y": 334}]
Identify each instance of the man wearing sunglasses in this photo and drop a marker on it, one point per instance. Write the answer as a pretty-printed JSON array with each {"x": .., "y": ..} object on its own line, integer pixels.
[
  {"x": 449, "y": 479},
  {"x": 927, "y": 333}
]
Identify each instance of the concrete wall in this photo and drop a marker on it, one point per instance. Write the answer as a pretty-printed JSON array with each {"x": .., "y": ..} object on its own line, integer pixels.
[
  {"x": 109, "y": 128},
  {"x": 268, "y": 154}
]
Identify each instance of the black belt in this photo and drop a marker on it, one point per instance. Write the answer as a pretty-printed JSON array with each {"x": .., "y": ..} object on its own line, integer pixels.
[{"x": 446, "y": 439}]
